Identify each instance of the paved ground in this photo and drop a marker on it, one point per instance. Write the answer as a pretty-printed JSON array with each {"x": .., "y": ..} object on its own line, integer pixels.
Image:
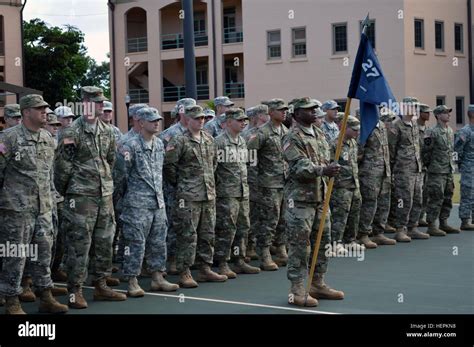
[{"x": 434, "y": 276}]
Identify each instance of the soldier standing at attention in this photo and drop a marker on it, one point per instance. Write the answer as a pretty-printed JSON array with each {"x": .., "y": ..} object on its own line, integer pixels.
[
  {"x": 107, "y": 117},
  {"x": 83, "y": 175},
  {"x": 437, "y": 154},
  {"x": 422, "y": 119},
  {"x": 144, "y": 217},
  {"x": 272, "y": 173},
  {"x": 216, "y": 126},
  {"x": 11, "y": 115},
  {"x": 190, "y": 163},
  {"x": 330, "y": 128},
  {"x": 232, "y": 203},
  {"x": 464, "y": 147},
  {"x": 26, "y": 202}
]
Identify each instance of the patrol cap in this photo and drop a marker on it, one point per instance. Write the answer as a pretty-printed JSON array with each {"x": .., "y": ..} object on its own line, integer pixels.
[
  {"x": 183, "y": 103},
  {"x": 49, "y": 111},
  {"x": 410, "y": 99},
  {"x": 425, "y": 108},
  {"x": 209, "y": 113},
  {"x": 11, "y": 111},
  {"x": 149, "y": 114},
  {"x": 441, "y": 109},
  {"x": 387, "y": 115},
  {"x": 317, "y": 102},
  {"x": 339, "y": 117},
  {"x": 330, "y": 105},
  {"x": 194, "y": 111},
  {"x": 276, "y": 104},
  {"x": 63, "y": 112},
  {"x": 304, "y": 103},
  {"x": 92, "y": 93},
  {"x": 256, "y": 110},
  {"x": 132, "y": 110},
  {"x": 32, "y": 101},
  {"x": 353, "y": 123},
  {"x": 235, "y": 113},
  {"x": 53, "y": 119},
  {"x": 470, "y": 108},
  {"x": 108, "y": 106},
  {"x": 223, "y": 100}
]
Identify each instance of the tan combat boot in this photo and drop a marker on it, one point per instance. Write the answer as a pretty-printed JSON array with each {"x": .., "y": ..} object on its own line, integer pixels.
[
  {"x": 172, "y": 270},
  {"x": 103, "y": 293},
  {"x": 186, "y": 280},
  {"x": 320, "y": 290},
  {"x": 251, "y": 252},
  {"x": 389, "y": 229},
  {"x": 56, "y": 291},
  {"x": 443, "y": 225},
  {"x": 415, "y": 234},
  {"x": 381, "y": 239},
  {"x": 225, "y": 270},
  {"x": 266, "y": 261},
  {"x": 110, "y": 281},
  {"x": 134, "y": 290},
  {"x": 364, "y": 240},
  {"x": 281, "y": 258},
  {"x": 205, "y": 274},
  {"x": 27, "y": 294},
  {"x": 76, "y": 298},
  {"x": 434, "y": 231},
  {"x": 13, "y": 306},
  {"x": 241, "y": 267},
  {"x": 466, "y": 224},
  {"x": 298, "y": 296},
  {"x": 158, "y": 283},
  {"x": 422, "y": 222},
  {"x": 401, "y": 235},
  {"x": 48, "y": 303}
]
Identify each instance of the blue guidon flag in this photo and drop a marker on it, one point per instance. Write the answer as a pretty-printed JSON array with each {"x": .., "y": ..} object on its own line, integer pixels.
[{"x": 368, "y": 84}]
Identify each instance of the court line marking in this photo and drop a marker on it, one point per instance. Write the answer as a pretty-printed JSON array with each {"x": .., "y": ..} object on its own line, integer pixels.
[{"x": 182, "y": 295}]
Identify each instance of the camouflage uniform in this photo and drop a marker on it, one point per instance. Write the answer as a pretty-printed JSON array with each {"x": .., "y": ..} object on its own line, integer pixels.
[
  {"x": 464, "y": 147},
  {"x": 272, "y": 172},
  {"x": 232, "y": 204},
  {"x": 331, "y": 131},
  {"x": 346, "y": 199},
  {"x": 189, "y": 166},
  {"x": 437, "y": 155},
  {"x": 118, "y": 134},
  {"x": 83, "y": 175},
  {"x": 214, "y": 127},
  {"x": 405, "y": 160},
  {"x": 422, "y": 129},
  {"x": 375, "y": 182},
  {"x": 26, "y": 202},
  {"x": 143, "y": 217}
]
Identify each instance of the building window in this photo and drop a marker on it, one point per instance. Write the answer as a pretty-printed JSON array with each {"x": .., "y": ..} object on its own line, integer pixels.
[
  {"x": 370, "y": 32},
  {"x": 339, "y": 38},
  {"x": 274, "y": 44},
  {"x": 299, "y": 42},
  {"x": 440, "y": 100},
  {"x": 419, "y": 34},
  {"x": 459, "y": 110},
  {"x": 439, "y": 36},
  {"x": 458, "y": 38},
  {"x": 199, "y": 22}
]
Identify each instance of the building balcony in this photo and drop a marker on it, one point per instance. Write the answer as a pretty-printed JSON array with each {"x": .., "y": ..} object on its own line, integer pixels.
[
  {"x": 234, "y": 90},
  {"x": 139, "y": 96},
  {"x": 175, "y": 41},
  {"x": 137, "y": 44},
  {"x": 176, "y": 93},
  {"x": 233, "y": 35}
]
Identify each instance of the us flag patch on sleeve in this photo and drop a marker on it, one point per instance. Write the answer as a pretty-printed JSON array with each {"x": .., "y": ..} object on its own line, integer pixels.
[
  {"x": 3, "y": 148},
  {"x": 169, "y": 148}
]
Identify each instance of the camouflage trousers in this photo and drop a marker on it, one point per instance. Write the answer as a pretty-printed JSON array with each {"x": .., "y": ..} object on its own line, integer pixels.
[
  {"x": 424, "y": 195},
  {"x": 440, "y": 189},
  {"x": 31, "y": 235},
  {"x": 59, "y": 255},
  {"x": 271, "y": 219},
  {"x": 169, "y": 193},
  {"x": 302, "y": 221},
  {"x": 345, "y": 207},
  {"x": 253, "y": 215},
  {"x": 406, "y": 199},
  {"x": 194, "y": 223},
  {"x": 466, "y": 207},
  {"x": 375, "y": 192},
  {"x": 232, "y": 226},
  {"x": 144, "y": 235},
  {"x": 90, "y": 227}
]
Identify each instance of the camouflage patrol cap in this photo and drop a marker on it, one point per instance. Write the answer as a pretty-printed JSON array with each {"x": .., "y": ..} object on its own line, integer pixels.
[
  {"x": 194, "y": 111},
  {"x": 183, "y": 103},
  {"x": 92, "y": 93},
  {"x": 470, "y": 108},
  {"x": 108, "y": 106},
  {"x": 276, "y": 104},
  {"x": 256, "y": 110},
  {"x": 339, "y": 117},
  {"x": 410, "y": 100},
  {"x": 53, "y": 119},
  {"x": 235, "y": 113},
  {"x": 387, "y": 115},
  {"x": 317, "y": 102},
  {"x": 173, "y": 112},
  {"x": 425, "y": 108},
  {"x": 63, "y": 112},
  {"x": 223, "y": 100},
  {"x": 304, "y": 103},
  {"x": 441, "y": 109},
  {"x": 132, "y": 111},
  {"x": 32, "y": 101},
  {"x": 149, "y": 114},
  {"x": 209, "y": 113},
  {"x": 330, "y": 105},
  {"x": 49, "y": 111},
  {"x": 11, "y": 111},
  {"x": 353, "y": 123}
]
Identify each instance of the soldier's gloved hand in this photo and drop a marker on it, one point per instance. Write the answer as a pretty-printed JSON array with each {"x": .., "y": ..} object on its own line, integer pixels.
[{"x": 332, "y": 169}]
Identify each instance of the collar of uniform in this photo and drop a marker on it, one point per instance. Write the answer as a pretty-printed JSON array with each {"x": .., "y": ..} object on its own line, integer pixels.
[
  {"x": 274, "y": 129},
  {"x": 89, "y": 129},
  {"x": 42, "y": 137},
  {"x": 306, "y": 131},
  {"x": 231, "y": 139},
  {"x": 410, "y": 123},
  {"x": 192, "y": 138},
  {"x": 143, "y": 144}
]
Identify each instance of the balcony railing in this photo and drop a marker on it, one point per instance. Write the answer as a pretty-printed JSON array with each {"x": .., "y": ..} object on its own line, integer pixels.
[
  {"x": 173, "y": 41},
  {"x": 235, "y": 90},
  {"x": 139, "y": 96},
  {"x": 137, "y": 44},
  {"x": 179, "y": 92},
  {"x": 233, "y": 35}
]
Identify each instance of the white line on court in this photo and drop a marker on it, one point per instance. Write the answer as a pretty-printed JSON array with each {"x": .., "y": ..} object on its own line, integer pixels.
[{"x": 222, "y": 301}]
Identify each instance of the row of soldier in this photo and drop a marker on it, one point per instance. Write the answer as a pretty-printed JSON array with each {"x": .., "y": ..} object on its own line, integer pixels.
[{"x": 216, "y": 209}]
